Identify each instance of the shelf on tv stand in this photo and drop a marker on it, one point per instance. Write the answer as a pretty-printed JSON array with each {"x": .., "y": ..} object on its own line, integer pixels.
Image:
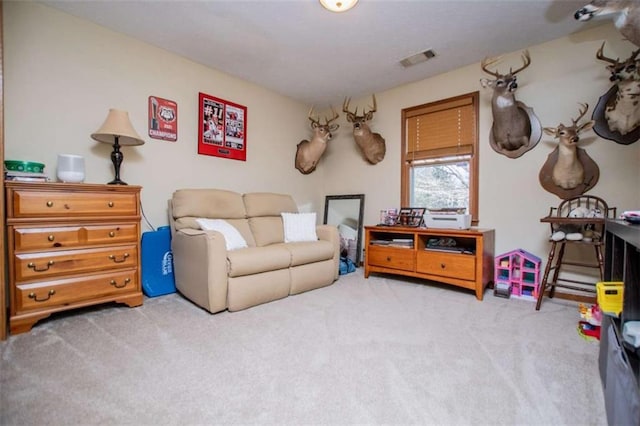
[{"x": 471, "y": 269}]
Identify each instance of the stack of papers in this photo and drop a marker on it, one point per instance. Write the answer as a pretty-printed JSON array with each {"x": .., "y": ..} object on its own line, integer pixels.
[{"x": 25, "y": 176}]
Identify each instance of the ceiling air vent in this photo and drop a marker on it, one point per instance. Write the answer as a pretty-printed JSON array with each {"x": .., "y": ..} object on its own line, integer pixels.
[{"x": 417, "y": 58}]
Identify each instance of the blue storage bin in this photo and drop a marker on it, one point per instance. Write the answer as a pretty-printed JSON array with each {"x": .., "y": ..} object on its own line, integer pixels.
[{"x": 157, "y": 263}]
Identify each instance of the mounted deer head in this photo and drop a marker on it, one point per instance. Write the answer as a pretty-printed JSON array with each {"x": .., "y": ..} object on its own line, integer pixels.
[
  {"x": 371, "y": 145},
  {"x": 626, "y": 14},
  {"x": 308, "y": 153},
  {"x": 511, "y": 131},
  {"x": 623, "y": 112},
  {"x": 568, "y": 172}
]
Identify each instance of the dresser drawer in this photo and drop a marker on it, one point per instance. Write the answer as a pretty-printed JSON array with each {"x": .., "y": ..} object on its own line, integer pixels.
[
  {"x": 74, "y": 236},
  {"x": 72, "y": 204},
  {"x": 388, "y": 257},
  {"x": 67, "y": 291},
  {"x": 451, "y": 265},
  {"x": 32, "y": 266}
]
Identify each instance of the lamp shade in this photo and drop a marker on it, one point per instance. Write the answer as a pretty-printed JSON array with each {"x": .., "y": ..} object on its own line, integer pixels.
[
  {"x": 338, "y": 5},
  {"x": 117, "y": 124}
]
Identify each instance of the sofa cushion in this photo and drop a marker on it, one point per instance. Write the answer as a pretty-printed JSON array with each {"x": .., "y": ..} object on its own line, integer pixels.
[
  {"x": 254, "y": 260},
  {"x": 233, "y": 238},
  {"x": 251, "y": 290},
  {"x": 309, "y": 251},
  {"x": 311, "y": 276},
  {"x": 209, "y": 203},
  {"x": 299, "y": 227},
  {"x": 242, "y": 225},
  {"x": 263, "y": 210},
  {"x": 266, "y": 230},
  {"x": 259, "y": 204}
]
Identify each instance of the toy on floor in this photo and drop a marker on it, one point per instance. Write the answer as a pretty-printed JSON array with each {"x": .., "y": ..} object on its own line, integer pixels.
[
  {"x": 588, "y": 331},
  {"x": 589, "y": 327},
  {"x": 591, "y": 314},
  {"x": 517, "y": 274}
]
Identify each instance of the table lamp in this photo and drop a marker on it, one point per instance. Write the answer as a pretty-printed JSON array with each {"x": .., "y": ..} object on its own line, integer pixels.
[{"x": 117, "y": 130}]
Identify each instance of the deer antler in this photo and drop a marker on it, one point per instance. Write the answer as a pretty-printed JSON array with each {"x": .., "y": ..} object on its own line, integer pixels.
[
  {"x": 368, "y": 115},
  {"x": 313, "y": 120},
  {"x": 345, "y": 106},
  {"x": 600, "y": 55},
  {"x": 374, "y": 107},
  {"x": 335, "y": 116},
  {"x": 490, "y": 61},
  {"x": 345, "y": 109},
  {"x": 526, "y": 61},
  {"x": 365, "y": 113},
  {"x": 582, "y": 111}
]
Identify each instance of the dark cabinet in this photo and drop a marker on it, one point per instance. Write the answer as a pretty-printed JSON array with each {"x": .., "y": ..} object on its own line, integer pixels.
[{"x": 619, "y": 360}]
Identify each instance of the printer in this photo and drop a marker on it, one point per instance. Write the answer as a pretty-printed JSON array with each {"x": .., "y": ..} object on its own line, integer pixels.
[{"x": 447, "y": 219}]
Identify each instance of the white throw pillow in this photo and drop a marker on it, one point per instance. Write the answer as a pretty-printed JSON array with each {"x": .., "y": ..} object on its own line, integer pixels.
[
  {"x": 232, "y": 236},
  {"x": 299, "y": 227}
]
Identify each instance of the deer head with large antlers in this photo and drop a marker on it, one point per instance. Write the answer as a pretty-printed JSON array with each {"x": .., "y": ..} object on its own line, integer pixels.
[
  {"x": 308, "y": 152},
  {"x": 371, "y": 144},
  {"x": 625, "y": 13},
  {"x": 623, "y": 112},
  {"x": 512, "y": 127},
  {"x": 568, "y": 172}
]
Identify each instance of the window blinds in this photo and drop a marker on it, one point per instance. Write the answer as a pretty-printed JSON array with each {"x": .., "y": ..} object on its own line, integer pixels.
[{"x": 444, "y": 129}]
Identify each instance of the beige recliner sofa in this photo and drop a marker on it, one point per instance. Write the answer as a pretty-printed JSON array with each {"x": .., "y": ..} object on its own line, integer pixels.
[{"x": 266, "y": 269}]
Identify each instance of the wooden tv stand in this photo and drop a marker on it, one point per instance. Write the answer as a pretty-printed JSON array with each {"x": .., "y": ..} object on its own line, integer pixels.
[{"x": 406, "y": 251}]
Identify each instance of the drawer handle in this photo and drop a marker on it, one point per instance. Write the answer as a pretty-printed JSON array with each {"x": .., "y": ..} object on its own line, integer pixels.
[
  {"x": 49, "y": 203},
  {"x": 442, "y": 265},
  {"x": 110, "y": 204},
  {"x": 112, "y": 234},
  {"x": 115, "y": 284},
  {"x": 124, "y": 257},
  {"x": 388, "y": 258},
  {"x": 51, "y": 237},
  {"x": 36, "y": 269},
  {"x": 34, "y": 297}
]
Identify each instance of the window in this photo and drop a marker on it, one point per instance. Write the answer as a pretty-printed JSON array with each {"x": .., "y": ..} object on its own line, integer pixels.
[{"x": 440, "y": 154}]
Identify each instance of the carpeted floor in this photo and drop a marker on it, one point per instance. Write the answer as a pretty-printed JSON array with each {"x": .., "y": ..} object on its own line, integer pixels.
[{"x": 362, "y": 351}]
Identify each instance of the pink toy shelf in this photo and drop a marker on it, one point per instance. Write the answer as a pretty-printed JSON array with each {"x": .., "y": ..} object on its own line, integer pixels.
[{"x": 517, "y": 274}]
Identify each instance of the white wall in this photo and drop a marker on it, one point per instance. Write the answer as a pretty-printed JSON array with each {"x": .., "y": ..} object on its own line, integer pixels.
[
  {"x": 562, "y": 74},
  {"x": 62, "y": 74}
]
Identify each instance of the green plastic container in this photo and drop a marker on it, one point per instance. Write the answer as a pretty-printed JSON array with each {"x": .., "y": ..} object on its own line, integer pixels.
[{"x": 24, "y": 166}]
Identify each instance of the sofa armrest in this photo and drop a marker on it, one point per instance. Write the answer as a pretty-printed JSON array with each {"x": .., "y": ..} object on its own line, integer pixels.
[
  {"x": 330, "y": 233},
  {"x": 200, "y": 267}
]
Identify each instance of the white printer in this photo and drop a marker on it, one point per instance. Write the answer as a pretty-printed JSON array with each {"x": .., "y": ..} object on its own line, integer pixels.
[{"x": 448, "y": 218}]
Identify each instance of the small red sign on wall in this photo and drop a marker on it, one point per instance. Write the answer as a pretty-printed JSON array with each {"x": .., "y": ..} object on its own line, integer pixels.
[{"x": 163, "y": 119}]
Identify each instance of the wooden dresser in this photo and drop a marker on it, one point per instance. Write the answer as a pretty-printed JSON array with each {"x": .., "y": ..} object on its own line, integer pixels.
[
  {"x": 69, "y": 246},
  {"x": 411, "y": 252}
]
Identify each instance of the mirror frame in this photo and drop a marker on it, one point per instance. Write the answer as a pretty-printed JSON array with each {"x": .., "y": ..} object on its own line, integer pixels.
[{"x": 360, "y": 197}]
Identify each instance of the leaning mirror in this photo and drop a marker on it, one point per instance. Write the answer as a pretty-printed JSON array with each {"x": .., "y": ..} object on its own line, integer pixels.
[{"x": 346, "y": 212}]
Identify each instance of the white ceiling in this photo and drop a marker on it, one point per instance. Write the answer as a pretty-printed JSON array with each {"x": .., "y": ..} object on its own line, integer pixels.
[{"x": 298, "y": 49}]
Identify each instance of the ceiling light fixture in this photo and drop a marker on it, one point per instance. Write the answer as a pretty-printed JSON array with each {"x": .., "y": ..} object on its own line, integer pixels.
[{"x": 338, "y": 5}]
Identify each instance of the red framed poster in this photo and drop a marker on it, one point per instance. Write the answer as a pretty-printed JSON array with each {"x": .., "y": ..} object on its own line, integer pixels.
[
  {"x": 163, "y": 119},
  {"x": 222, "y": 128}
]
